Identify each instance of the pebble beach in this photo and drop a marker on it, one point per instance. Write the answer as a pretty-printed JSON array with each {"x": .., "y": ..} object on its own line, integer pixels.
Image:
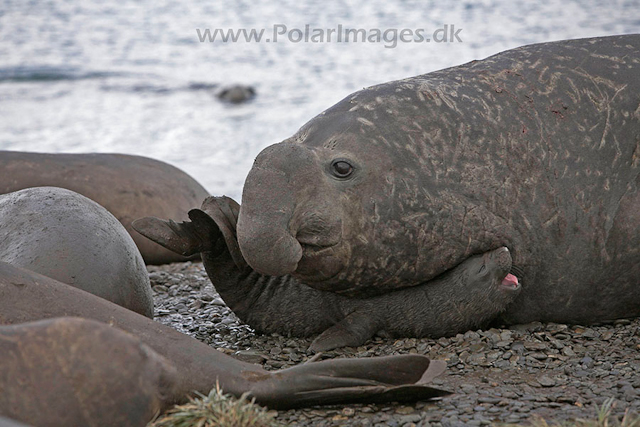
[{"x": 497, "y": 375}]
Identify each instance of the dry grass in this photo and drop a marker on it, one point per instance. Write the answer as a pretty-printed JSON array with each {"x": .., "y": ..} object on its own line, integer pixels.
[
  {"x": 216, "y": 409},
  {"x": 603, "y": 419}
]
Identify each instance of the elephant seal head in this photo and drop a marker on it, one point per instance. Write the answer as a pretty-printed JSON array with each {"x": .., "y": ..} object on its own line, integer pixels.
[{"x": 348, "y": 205}]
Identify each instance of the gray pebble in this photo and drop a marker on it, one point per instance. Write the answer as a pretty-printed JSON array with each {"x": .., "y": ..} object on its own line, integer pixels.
[{"x": 545, "y": 381}]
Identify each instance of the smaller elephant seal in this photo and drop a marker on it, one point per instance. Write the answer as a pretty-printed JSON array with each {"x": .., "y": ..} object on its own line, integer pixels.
[
  {"x": 237, "y": 94},
  {"x": 129, "y": 187},
  {"x": 79, "y": 372},
  {"x": 66, "y": 236},
  {"x": 28, "y": 297},
  {"x": 465, "y": 297}
]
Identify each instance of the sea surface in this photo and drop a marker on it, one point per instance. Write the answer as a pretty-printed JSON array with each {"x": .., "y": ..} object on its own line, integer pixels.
[{"x": 132, "y": 76}]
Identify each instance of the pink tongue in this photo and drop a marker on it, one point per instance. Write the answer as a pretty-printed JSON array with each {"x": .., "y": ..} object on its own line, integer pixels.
[{"x": 510, "y": 281}]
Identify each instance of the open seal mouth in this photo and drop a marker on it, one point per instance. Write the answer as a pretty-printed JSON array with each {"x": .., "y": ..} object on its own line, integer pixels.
[
  {"x": 502, "y": 258},
  {"x": 313, "y": 257},
  {"x": 320, "y": 263},
  {"x": 510, "y": 282}
]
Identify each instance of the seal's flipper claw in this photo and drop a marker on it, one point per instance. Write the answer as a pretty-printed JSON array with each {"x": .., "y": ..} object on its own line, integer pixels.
[
  {"x": 354, "y": 330},
  {"x": 401, "y": 378},
  {"x": 184, "y": 238}
]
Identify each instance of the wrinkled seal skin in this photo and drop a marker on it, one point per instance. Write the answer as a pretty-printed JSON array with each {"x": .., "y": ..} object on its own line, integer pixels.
[
  {"x": 66, "y": 236},
  {"x": 78, "y": 372},
  {"x": 26, "y": 296},
  {"x": 129, "y": 187},
  {"x": 536, "y": 149},
  {"x": 466, "y": 297}
]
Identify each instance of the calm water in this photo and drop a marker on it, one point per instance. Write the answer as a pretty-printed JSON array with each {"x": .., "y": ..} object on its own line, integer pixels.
[{"x": 132, "y": 77}]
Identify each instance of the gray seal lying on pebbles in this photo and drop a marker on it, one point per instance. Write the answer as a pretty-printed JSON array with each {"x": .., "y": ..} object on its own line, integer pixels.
[
  {"x": 463, "y": 298},
  {"x": 66, "y": 236},
  {"x": 536, "y": 149}
]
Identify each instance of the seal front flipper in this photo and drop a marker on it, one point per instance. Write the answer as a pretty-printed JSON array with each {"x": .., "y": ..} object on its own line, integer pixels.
[
  {"x": 212, "y": 229},
  {"x": 185, "y": 238},
  {"x": 354, "y": 330}
]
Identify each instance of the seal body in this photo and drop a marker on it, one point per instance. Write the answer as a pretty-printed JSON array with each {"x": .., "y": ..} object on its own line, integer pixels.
[
  {"x": 66, "y": 236},
  {"x": 465, "y": 297},
  {"x": 28, "y": 297},
  {"x": 129, "y": 187},
  {"x": 72, "y": 372},
  {"x": 536, "y": 149}
]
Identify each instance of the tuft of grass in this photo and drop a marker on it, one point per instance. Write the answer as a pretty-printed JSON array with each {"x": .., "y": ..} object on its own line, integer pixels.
[
  {"x": 603, "y": 419},
  {"x": 216, "y": 409}
]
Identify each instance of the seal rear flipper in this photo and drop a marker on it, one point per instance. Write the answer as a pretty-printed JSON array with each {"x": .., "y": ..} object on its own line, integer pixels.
[
  {"x": 185, "y": 238},
  {"x": 354, "y": 330},
  {"x": 401, "y": 378}
]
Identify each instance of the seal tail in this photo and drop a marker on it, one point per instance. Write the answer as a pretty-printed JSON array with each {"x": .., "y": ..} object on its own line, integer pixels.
[{"x": 398, "y": 378}]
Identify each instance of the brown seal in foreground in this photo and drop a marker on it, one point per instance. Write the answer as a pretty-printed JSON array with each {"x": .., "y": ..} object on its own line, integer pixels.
[
  {"x": 79, "y": 372},
  {"x": 27, "y": 296},
  {"x": 66, "y": 236},
  {"x": 129, "y": 187}
]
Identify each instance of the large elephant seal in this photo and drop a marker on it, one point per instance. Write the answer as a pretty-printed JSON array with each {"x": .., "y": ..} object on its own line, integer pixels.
[
  {"x": 79, "y": 372},
  {"x": 28, "y": 296},
  {"x": 66, "y": 236},
  {"x": 466, "y": 297},
  {"x": 129, "y": 187},
  {"x": 536, "y": 149}
]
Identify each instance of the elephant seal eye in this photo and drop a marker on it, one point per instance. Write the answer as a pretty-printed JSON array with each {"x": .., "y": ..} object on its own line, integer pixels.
[{"x": 341, "y": 168}]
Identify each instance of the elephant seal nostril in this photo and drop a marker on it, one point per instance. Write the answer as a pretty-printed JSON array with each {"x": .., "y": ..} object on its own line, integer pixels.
[{"x": 503, "y": 258}]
